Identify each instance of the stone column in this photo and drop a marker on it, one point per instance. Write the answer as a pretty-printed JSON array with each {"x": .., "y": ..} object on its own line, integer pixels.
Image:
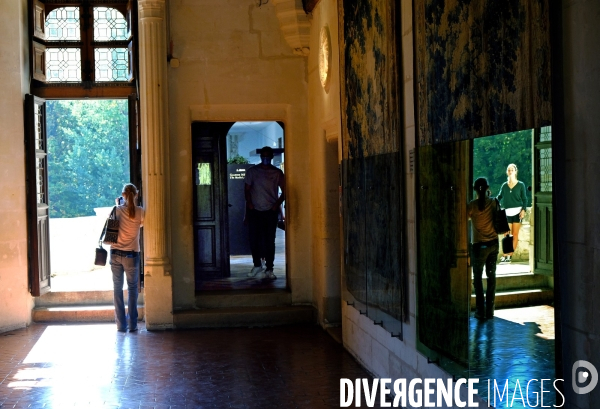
[{"x": 158, "y": 294}]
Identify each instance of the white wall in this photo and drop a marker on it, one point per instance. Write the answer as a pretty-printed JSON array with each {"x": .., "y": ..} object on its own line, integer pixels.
[
  {"x": 15, "y": 301},
  {"x": 325, "y": 155},
  {"x": 236, "y": 66},
  {"x": 252, "y": 137}
]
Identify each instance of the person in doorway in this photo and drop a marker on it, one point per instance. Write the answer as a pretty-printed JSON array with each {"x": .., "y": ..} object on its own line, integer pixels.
[
  {"x": 125, "y": 257},
  {"x": 262, "y": 185},
  {"x": 484, "y": 248},
  {"x": 513, "y": 198}
]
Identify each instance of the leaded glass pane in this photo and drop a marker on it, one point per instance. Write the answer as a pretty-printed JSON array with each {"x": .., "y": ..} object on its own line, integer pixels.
[
  {"x": 204, "y": 174},
  {"x": 545, "y": 134},
  {"x": 37, "y": 119},
  {"x": 545, "y": 175},
  {"x": 62, "y": 24},
  {"x": 109, "y": 24},
  {"x": 112, "y": 64},
  {"x": 40, "y": 179},
  {"x": 63, "y": 65}
]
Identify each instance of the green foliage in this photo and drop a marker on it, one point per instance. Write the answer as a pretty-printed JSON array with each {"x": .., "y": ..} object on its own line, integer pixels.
[
  {"x": 88, "y": 155},
  {"x": 492, "y": 154},
  {"x": 237, "y": 160}
]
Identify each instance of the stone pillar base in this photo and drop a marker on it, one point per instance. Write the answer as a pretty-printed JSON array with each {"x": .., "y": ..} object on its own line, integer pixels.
[{"x": 158, "y": 297}]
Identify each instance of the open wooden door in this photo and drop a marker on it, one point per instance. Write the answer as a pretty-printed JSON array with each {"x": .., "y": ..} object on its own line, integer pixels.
[
  {"x": 210, "y": 219},
  {"x": 443, "y": 285},
  {"x": 36, "y": 149},
  {"x": 135, "y": 167}
]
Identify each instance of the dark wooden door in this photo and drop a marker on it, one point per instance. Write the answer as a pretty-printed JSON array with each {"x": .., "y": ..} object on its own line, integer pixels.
[
  {"x": 443, "y": 291},
  {"x": 210, "y": 219},
  {"x": 135, "y": 167},
  {"x": 37, "y": 195},
  {"x": 542, "y": 204}
]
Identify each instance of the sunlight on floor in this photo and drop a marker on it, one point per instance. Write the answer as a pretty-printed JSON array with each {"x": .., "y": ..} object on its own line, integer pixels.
[{"x": 542, "y": 316}]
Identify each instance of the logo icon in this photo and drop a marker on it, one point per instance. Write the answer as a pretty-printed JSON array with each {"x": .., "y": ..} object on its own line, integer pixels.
[{"x": 581, "y": 377}]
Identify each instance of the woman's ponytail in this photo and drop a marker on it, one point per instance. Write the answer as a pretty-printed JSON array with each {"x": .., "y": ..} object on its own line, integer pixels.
[
  {"x": 129, "y": 193},
  {"x": 481, "y": 186}
]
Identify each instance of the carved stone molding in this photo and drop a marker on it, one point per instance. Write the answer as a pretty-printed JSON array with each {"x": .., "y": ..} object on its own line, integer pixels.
[
  {"x": 332, "y": 129},
  {"x": 151, "y": 9},
  {"x": 294, "y": 24}
]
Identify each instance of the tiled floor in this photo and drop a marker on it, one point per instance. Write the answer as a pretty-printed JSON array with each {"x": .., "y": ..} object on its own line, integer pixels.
[
  {"x": 240, "y": 266},
  {"x": 518, "y": 344},
  {"x": 94, "y": 366}
]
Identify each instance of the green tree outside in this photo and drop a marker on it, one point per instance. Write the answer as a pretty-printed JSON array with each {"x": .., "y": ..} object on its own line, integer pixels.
[
  {"x": 88, "y": 155},
  {"x": 492, "y": 154}
]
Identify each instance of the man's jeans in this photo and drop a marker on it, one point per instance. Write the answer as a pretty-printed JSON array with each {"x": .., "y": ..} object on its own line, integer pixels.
[
  {"x": 262, "y": 227},
  {"x": 485, "y": 254},
  {"x": 129, "y": 265}
]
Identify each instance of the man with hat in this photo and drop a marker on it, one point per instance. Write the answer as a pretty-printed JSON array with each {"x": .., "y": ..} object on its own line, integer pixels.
[{"x": 262, "y": 185}]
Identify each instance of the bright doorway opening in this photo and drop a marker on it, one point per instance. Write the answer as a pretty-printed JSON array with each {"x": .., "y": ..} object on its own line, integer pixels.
[
  {"x": 519, "y": 342},
  {"x": 88, "y": 163}
]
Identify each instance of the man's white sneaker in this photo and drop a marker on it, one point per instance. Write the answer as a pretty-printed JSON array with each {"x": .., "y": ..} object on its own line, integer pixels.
[
  {"x": 255, "y": 271},
  {"x": 270, "y": 275}
]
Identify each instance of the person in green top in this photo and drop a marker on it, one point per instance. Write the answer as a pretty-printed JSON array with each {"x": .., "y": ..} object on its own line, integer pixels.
[{"x": 513, "y": 198}]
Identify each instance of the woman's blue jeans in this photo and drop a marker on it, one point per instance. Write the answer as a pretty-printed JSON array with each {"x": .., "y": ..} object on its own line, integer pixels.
[
  {"x": 130, "y": 265},
  {"x": 485, "y": 254}
]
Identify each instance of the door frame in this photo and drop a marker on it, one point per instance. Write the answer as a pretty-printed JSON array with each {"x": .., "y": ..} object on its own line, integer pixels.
[
  {"x": 38, "y": 235},
  {"x": 251, "y": 113}
]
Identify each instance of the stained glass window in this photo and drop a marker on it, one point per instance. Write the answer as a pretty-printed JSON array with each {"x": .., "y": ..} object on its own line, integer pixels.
[
  {"x": 109, "y": 24},
  {"x": 63, "y": 65},
  {"x": 62, "y": 24},
  {"x": 545, "y": 134},
  {"x": 112, "y": 64},
  {"x": 86, "y": 43},
  {"x": 545, "y": 175}
]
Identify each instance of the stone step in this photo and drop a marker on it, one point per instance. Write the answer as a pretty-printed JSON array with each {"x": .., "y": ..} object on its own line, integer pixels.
[
  {"x": 244, "y": 316},
  {"x": 521, "y": 281},
  {"x": 79, "y": 313},
  {"x": 79, "y": 298},
  {"x": 521, "y": 298},
  {"x": 243, "y": 298}
]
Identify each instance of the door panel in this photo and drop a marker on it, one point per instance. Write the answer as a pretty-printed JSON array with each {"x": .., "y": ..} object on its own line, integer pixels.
[
  {"x": 206, "y": 246},
  {"x": 135, "y": 167},
  {"x": 443, "y": 274},
  {"x": 37, "y": 195},
  {"x": 210, "y": 219}
]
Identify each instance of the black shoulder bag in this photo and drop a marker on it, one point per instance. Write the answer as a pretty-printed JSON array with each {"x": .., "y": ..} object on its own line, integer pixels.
[{"x": 109, "y": 235}]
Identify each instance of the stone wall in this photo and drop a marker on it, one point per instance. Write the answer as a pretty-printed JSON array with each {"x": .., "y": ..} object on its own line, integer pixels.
[
  {"x": 234, "y": 64},
  {"x": 524, "y": 248},
  {"x": 15, "y": 301}
]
